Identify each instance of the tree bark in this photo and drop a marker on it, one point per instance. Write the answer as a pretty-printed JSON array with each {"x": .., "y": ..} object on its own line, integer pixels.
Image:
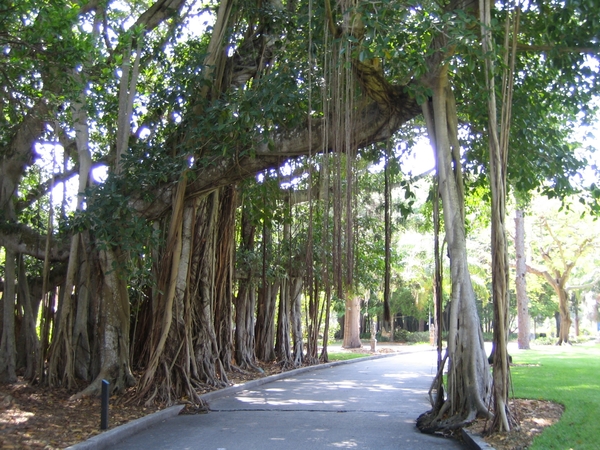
[
  {"x": 245, "y": 301},
  {"x": 267, "y": 299},
  {"x": 283, "y": 348},
  {"x": 296, "y": 284},
  {"x": 352, "y": 322},
  {"x": 224, "y": 276},
  {"x": 469, "y": 386},
  {"x": 8, "y": 349},
  {"x": 31, "y": 348},
  {"x": 521, "y": 282}
]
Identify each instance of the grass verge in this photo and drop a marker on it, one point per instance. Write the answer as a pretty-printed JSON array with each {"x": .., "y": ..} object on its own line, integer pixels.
[
  {"x": 345, "y": 356},
  {"x": 569, "y": 375}
]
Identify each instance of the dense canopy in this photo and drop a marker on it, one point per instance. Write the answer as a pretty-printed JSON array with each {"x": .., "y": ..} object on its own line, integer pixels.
[{"x": 182, "y": 183}]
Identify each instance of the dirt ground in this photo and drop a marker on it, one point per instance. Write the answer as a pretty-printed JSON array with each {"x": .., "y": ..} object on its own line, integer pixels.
[{"x": 35, "y": 417}]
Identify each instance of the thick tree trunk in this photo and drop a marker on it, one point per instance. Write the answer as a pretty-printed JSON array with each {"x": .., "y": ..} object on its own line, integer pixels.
[
  {"x": 224, "y": 276},
  {"x": 114, "y": 330},
  {"x": 267, "y": 300},
  {"x": 31, "y": 343},
  {"x": 245, "y": 301},
  {"x": 283, "y": 348},
  {"x": 84, "y": 315},
  {"x": 521, "y": 282},
  {"x": 469, "y": 385},
  {"x": 352, "y": 322},
  {"x": 265, "y": 321},
  {"x": 8, "y": 349}
]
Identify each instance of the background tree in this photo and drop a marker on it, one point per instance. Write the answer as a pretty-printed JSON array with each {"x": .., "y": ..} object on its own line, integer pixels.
[{"x": 560, "y": 245}]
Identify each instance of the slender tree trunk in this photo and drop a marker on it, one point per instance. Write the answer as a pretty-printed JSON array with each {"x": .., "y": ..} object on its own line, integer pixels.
[
  {"x": 521, "y": 282},
  {"x": 438, "y": 277},
  {"x": 498, "y": 137},
  {"x": 296, "y": 284},
  {"x": 8, "y": 349},
  {"x": 565, "y": 315},
  {"x": 283, "y": 348},
  {"x": 387, "y": 203}
]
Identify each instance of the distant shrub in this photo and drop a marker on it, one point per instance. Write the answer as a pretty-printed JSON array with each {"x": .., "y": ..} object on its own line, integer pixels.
[
  {"x": 409, "y": 337},
  {"x": 545, "y": 340}
]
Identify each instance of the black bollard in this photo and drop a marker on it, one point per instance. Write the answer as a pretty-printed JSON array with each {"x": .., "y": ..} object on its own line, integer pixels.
[{"x": 104, "y": 406}]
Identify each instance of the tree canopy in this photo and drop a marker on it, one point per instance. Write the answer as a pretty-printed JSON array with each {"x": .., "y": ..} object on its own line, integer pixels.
[{"x": 236, "y": 138}]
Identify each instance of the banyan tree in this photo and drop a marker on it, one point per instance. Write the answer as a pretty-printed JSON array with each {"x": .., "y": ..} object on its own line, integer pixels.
[{"x": 166, "y": 268}]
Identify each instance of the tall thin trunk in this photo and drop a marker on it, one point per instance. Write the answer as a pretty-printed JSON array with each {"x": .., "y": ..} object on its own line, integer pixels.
[
  {"x": 521, "y": 282},
  {"x": 283, "y": 348},
  {"x": 296, "y": 284},
  {"x": 387, "y": 200},
  {"x": 498, "y": 151}
]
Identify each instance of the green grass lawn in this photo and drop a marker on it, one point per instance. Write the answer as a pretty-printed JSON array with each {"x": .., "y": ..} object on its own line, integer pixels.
[
  {"x": 569, "y": 375},
  {"x": 342, "y": 356}
]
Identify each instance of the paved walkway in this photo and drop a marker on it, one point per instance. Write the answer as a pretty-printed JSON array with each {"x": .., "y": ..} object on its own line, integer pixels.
[{"x": 371, "y": 404}]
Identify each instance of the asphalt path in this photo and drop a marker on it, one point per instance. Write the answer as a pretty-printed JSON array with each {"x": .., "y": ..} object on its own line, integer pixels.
[{"x": 369, "y": 404}]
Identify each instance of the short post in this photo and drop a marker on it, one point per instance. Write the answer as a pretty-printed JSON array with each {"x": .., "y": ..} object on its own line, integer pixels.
[{"x": 104, "y": 406}]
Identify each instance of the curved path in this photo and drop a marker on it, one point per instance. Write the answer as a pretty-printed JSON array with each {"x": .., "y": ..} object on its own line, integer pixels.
[{"x": 369, "y": 404}]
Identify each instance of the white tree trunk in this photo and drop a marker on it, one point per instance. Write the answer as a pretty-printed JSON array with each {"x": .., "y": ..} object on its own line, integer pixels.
[{"x": 521, "y": 282}]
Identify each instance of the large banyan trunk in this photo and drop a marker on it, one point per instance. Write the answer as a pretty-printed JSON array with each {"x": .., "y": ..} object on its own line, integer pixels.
[
  {"x": 195, "y": 268},
  {"x": 224, "y": 276},
  {"x": 267, "y": 300},
  {"x": 28, "y": 343},
  {"x": 114, "y": 317},
  {"x": 245, "y": 301},
  {"x": 469, "y": 387}
]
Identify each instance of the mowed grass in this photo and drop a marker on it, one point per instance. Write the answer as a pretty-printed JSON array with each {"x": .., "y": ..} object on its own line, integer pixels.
[
  {"x": 344, "y": 356},
  {"x": 569, "y": 375}
]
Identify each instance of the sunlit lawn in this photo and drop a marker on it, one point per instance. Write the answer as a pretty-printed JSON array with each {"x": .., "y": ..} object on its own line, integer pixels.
[
  {"x": 345, "y": 356},
  {"x": 569, "y": 375}
]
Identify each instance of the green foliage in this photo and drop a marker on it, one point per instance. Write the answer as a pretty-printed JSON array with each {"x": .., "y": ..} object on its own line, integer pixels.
[
  {"x": 570, "y": 377},
  {"x": 408, "y": 337},
  {"x": 113, "y": 224}
]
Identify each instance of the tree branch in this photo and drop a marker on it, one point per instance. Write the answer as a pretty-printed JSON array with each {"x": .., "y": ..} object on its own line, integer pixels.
[
  {"x": 22, "y": 239},
  {"x": 545, "y": 274}
]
